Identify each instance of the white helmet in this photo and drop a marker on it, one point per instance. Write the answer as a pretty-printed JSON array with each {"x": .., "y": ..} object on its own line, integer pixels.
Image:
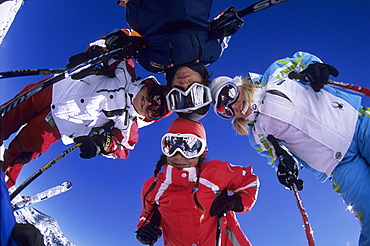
[
  {"x": 230, "y": 93},
  {"x": 220, "y": 81}
]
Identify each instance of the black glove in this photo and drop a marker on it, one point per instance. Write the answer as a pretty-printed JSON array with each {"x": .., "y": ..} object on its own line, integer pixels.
[
  {"x": 224, "y": 203},
  {"x": 229, "y": 29},
  {"x": 91, "y": 146},
  {"x": 318, "y": 74},
  {"x": 132, "y": 44},
  {"x": 287, "y": 172},
  {"x": 79, "y": 58},
  {"x": 148, "y": 234}
]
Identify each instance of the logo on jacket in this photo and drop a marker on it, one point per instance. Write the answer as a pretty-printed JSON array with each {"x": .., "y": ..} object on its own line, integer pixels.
[{"x": 337, "y": 105}]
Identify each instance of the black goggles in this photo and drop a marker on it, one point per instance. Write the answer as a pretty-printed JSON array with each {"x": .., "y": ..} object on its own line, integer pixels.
[
  {"x": 195, "y": 97},
  {"x": 227, "y": 95},
  {"x": 189, "y": 145},
  {"x": 158, "y": 108}
]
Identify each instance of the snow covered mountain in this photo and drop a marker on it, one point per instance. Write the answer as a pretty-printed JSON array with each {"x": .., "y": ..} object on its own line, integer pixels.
[{"x": 48, "y": 226}]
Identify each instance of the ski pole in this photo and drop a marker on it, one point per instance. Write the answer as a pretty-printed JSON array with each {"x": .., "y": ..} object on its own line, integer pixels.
[
  {"x": 218, "y": 230},
  {"x": 307, "y": 226},
  {"x": 342, "y": 85},
  {"x": 219, "y": 221},
  {"x": 309, "y": 233},
  {"x": 350, "y": 87},
  {"x": 43, "y": 169},
  {"x": 68, "y": 72},
  {"x": 55, "y": 160},
  {"x": 27, "y": 72},
  {"x": 262, "y": 4}
]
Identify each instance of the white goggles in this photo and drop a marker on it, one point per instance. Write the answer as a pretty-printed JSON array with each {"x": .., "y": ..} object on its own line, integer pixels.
[
  {"x": 195, "y": 97},
  {"x": 189, "y": 145}
]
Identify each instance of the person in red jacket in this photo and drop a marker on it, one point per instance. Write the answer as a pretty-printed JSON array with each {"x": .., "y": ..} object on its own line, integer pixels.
[{"x": 188, "y": 200}]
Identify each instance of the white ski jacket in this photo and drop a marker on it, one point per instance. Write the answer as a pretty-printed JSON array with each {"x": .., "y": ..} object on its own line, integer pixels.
[
  {"x": 316, "y": 127},
  {"x": 80, "y": 105}
]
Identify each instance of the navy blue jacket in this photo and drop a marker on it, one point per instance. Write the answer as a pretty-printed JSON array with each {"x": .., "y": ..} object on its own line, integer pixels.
[{"x": 177, "y": 32}]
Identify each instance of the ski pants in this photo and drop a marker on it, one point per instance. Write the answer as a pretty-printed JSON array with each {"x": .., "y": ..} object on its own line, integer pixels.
[
  {"x": 351, "y": 178},
  {"x": 34, "y": 138}
]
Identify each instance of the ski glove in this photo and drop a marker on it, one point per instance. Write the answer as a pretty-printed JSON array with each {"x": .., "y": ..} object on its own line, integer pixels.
[
  {"x": 132, "y": 44},
  {"x": 90, "y": 146},
  {"x": 224, "y": 203},
  {"x": 287, "y": 172},
  {"x": 79, "y": 58},
  {"x": 318, "y": 74},
  {"x": 231, "y": 28},
  {"x": 148, "y": 234}
]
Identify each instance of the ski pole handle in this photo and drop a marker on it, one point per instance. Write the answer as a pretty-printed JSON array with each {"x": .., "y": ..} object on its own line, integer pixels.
[
  {"x": 55, "y": 160},
  {"x": 307, "y": 226}
]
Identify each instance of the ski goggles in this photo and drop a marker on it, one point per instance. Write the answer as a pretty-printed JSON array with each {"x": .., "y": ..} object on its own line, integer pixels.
[
  {"x": 195, "y": 97},
  {"x": 227, "y": 95},
  {"x": 189, "y": 145},
  {"x": 158, "y": 108}
]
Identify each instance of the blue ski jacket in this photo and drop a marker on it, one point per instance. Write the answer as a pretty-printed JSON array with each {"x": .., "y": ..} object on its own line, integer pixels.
[{"x": 177, "y": 32}]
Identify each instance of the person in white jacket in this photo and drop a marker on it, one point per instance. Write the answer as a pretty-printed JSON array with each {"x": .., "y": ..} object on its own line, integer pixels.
[
  {"x": 324, "y": 129},
  {"x": 72, "y": 108}
]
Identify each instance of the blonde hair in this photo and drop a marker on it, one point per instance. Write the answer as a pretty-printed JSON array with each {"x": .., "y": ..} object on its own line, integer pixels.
[{"x": 241, "y": 125}]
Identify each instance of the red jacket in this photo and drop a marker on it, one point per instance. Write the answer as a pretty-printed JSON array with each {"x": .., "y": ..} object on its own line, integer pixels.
[{"x": 181, "y": 222}]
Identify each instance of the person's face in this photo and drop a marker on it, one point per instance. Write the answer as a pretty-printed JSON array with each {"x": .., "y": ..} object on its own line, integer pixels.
[
  {"x": 241, "y": 108},
  {"x": 180, "y": 161},
  {"x": 185, "y": 76},
  {"x": 141, "y": 101}
]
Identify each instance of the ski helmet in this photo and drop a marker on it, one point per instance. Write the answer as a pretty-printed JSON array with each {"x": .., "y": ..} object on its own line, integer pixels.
[
  {"x": 225, "y": 92},
  {"x": 185, "y": 136}
]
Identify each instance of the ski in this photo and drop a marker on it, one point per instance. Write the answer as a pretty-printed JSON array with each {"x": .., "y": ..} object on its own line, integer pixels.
[
  {"x": 68, "y": 72},
  {"x": 27, "y": 72},
  {"x": 56, "y": 190}
]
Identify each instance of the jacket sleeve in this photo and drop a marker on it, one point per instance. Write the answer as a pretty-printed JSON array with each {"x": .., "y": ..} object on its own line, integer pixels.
[
  {"x": 147, "y": 203},
  {"x": 116, "y": 148},
  {"x": 281, "y": 68},
  {"x": 246, "y": 185}
]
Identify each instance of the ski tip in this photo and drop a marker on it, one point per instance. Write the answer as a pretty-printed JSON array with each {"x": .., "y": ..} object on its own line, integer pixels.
[{"x": 67, "y": 184}]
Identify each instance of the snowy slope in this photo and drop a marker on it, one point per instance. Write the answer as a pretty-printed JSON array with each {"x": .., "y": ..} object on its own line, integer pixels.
[{"x": 48, "y": 226}]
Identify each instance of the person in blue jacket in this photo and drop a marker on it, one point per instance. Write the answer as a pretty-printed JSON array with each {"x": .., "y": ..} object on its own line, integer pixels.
[
  {"x": 288, "y": 120},
  {"x": 175, "y": 38}
]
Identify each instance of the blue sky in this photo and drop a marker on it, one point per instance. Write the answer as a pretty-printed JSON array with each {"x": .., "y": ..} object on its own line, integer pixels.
[{"x": 103, "y": 206}]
